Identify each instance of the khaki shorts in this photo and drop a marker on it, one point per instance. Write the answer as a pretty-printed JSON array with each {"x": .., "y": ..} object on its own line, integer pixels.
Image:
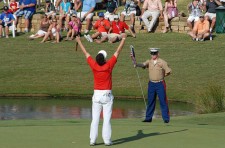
[
  {"x": 210, "y": 15},
  {"x": 113, "y": 35}
]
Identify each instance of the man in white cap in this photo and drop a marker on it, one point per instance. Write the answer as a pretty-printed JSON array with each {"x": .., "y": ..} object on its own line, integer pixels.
[
  {"x": 102, "y": 97},
  {"x": 158, "y": 69}
]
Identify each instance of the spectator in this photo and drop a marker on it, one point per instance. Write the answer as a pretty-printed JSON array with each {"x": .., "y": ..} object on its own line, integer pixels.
[
  {"x": 64, "y": 13},
  {"x": 210, "y": 7},
  {"x": 44, "y": 25},
  {"x": 74, "y": 27},
  {"x": 53, "y": 32},
  {"x": 201, "y": 29},
  {"x": 111, "y": 8},
  {"x": 102, "y": 26},
  {"x": 49, "y": 9},
  {"x": 154, "y": 9},
  {"x": 170, "y": 11},
  {"x": 27, "y": 8},
  {"x": 88, "y": 7},
  {"x": 195, "y": 10},
  {"x": 6, "y": 20},
  {"x": 130, "y": 10},
  {"x": 13, "y": 6},
  {"x": 117, "y": 30}
]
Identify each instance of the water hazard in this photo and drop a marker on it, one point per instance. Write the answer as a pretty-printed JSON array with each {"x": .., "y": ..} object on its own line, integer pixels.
[{"x": 63, "y": 108}]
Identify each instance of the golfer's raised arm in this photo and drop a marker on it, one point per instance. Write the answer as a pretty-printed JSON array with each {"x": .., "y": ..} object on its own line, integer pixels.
[
  {"x": 120, "y": 47},
  {"x": 82, "y": 47}
]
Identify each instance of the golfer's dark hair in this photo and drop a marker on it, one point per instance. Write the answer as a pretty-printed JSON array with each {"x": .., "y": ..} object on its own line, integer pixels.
[{"x": 100, "y": 59}]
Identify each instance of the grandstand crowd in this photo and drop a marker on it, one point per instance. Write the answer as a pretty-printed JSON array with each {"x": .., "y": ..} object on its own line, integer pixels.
[{"x": 69, "y": 15}]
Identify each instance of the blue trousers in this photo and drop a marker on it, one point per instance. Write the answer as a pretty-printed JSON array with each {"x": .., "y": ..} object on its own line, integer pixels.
[{"x": 159, "y": 89}]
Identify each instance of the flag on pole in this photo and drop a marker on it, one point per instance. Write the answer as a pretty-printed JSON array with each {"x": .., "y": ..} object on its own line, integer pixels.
[{"x": 132, "y": 54}]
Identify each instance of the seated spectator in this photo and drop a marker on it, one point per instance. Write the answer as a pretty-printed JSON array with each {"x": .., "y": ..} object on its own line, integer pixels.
[
  {"x": 195, "y": 10},
  {"x": 130, "y": 10},
  {"x": 74, "y": 27},
  {"x": 102, "y": 26},
  {"x": 117, "y": 30},
  {"x": 151, "y": 8},
  {"x": 13, "y": 6},
  {"x": 170, "y": 11},
  {"x": 210, "y": 7},
  {"x": 44, "y": 25},
  {"x": 27, "y": 8},
  {"x": 88, "y": 7},
  {"x": 111, "y": 8},
  {"x": 53, "y": 32},
  {"x": 64, "y": 13},
  {"x": 6, "y": 20},
  {"x": 49, "y": 9},
  {"x": 201, "y": 29}
]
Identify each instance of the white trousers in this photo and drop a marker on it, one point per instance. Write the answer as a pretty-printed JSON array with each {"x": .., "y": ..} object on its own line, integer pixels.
[
  {"x": 146, "y": 15},
  {"x": 102, "y": 99}
]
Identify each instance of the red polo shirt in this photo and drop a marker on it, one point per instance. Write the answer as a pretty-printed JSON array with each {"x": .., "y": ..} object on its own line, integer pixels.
[
  {"x": 102, "y": 74},
  {"x": 100, "y": 27},
  {"x": 119, "y": 26}
]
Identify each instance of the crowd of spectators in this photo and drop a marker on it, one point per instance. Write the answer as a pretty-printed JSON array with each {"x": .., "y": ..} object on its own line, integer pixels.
[{"x": 66, "y": 15}]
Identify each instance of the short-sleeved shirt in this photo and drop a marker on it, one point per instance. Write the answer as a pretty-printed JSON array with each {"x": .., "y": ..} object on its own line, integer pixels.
[
  {"x": 155, "y": 5},
  {"x": 200, "y": 27},
  {"x": 118, "y": 27},
  {"x": 102, "y": 74},
  {"x": 27, "y": 2},
  {"x": 211, "y": 7},
  {"x": 65, "y": 6},
  {"x": 88, "y": 4},
  {"x": 6, "y": 17},
  {"x": 157, "y": 71},
  {"x": 100, "y": 27},
  {"x": 111, "y": 6},
  {"x": 131, "y": 5}
]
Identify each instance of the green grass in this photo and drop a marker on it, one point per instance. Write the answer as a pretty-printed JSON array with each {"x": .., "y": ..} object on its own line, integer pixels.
[
  {"x": 28, "y": 67},
  {"x": 203, "y": 131}
]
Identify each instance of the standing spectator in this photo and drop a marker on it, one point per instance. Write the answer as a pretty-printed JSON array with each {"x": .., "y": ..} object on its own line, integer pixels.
[
  {"x": 6, "y": 20},
  {"x": 102, "y": 26},
  {"x": 74, "y": 27},
  {"x": 201, "y": 29},
  {"x": 49, "y": 9},
  {"x": 154, "y": 9},
  {"x": 102, "y": 98},
  {"x": 53, "y": 32},
  {"x": 88, "y": 7},
  {"x": 195, "y": 9},
  {"x": 111, "y": 8},
  {"x": 158, "y": 69},
  {"x": 64, "y": 13},
  {"x": 13, "y": 6},
  {"x": 210, "y": 7},
  {"x": 130, "y": 10},
  {"x": 27, "y": 8},
  {"x": 170, "y": 11},
  {"x": 44, "y": 25},
  {"x": 117, "y": 30}
]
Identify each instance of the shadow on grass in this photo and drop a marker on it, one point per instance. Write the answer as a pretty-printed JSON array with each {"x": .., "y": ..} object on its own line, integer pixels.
[{"x": 141, "y": 135}]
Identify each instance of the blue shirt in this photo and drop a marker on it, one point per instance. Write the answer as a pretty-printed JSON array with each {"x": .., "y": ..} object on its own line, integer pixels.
[
  {"x": 27, "y": 2},
  {"x": 65, "y": 6},
  {"x": 6, "y": 17},
  {"x": 88, "y": 4}
]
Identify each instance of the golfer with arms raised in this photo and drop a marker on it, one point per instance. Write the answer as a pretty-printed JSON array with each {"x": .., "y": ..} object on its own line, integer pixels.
[{"x": 102, "y": 97}]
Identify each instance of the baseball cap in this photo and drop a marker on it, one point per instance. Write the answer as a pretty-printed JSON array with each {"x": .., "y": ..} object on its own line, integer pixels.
[
  {"x": 201, "y": 16},
  {"x": 154, "y": 51},
  {"x": 116, "y": 17},
  {"x": 101, "y": 14},
  {"x": 74, "y": 15},
  {"x": 6, "y": 8},
  {"x": 103, "y": 52},
  {"x": 47, "y": 1}
]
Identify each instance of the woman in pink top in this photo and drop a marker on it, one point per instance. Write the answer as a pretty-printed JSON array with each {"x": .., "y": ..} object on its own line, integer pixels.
[
  {"x": 170, "y": 11},
  {"x": 74, "y": 27}
]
